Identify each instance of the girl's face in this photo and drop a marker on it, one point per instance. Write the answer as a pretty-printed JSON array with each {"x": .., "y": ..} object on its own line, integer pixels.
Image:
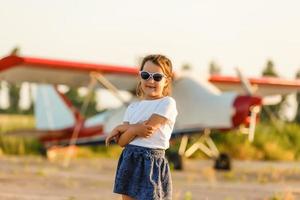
[{"x": 153, "y": 89}]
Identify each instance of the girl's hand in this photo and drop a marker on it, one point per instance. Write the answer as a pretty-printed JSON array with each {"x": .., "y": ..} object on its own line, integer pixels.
[
  {"x": 116, "y": 138},
  {"x": 115, "y": 134},
  {"x": 143, "y": 130}
]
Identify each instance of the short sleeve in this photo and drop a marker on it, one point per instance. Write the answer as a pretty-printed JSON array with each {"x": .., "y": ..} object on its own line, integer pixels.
[
  {"x": 167, "y": 108},
  {"x": 128, "y": 112}
]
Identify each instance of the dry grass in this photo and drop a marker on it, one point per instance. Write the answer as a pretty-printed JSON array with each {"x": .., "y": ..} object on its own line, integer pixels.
[
  {"x": 15, "y": 122},
  {"x": 283, "y": 196}
]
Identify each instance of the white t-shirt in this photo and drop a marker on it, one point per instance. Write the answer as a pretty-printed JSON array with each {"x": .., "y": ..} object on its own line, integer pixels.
[{"x": 140, "y": 111}]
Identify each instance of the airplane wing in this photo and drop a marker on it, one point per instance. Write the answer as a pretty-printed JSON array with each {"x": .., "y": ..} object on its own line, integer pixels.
[
  {"x": 264, "y": 86},
  {"x": 17, "y": 69}
]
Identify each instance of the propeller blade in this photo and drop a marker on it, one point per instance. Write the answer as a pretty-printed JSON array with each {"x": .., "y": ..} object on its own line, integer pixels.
[
  {"x": 271, "y": 100},
  {"x": 245, "y": 82}
]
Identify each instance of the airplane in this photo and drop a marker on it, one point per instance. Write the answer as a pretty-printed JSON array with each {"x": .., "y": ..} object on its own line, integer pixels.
[{"x": 201, "y": 105}]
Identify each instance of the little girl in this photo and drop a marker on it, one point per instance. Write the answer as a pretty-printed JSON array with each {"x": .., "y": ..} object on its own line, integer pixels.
[{"x": 143, "y": 171}]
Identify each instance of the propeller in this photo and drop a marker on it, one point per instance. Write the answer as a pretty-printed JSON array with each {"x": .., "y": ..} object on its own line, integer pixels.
[
  {"x": 254, "y": 110},
  {"x": 270, "y": 100}
]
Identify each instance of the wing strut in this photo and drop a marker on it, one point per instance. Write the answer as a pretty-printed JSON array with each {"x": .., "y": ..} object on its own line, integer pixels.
[
  {"x": 94, "y": 77},
  {"x": 78, "y": 125},
  {"x": 108, "y": 85}
]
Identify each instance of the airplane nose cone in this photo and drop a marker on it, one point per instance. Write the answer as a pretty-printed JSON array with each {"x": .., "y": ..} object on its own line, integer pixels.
[{"x": 243, "y": 105}]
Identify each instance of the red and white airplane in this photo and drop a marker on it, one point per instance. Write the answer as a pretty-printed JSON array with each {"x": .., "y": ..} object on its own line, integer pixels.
[{"x": 201, "y": 104}]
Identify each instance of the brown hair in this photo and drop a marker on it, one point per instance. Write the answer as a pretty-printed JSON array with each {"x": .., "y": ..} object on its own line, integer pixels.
[{"x": 165, "y": 64}]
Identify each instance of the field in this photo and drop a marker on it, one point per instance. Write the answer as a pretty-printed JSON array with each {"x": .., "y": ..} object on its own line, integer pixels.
[
  {"x": 35, "y": 178},
  {"x": 26, "y": 175}
]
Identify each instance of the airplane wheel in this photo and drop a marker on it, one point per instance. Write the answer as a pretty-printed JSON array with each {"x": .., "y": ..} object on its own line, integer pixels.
[
  {"x": 175, "y": 159},
  {"x": 43, "y": 151},
  {"x": 223, "y": 162}
]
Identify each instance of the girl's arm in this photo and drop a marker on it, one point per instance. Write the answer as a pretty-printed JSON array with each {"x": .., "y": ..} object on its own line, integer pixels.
[
  {"x": 125, "y": 133},
  {"x": 133, "y": 131},
  {"x": 116, "y": 132},
  {"x": 155, "y": 121},
  {"x": 145, "y": 129}
]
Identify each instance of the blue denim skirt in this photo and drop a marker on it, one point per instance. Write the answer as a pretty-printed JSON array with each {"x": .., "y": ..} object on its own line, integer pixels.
[{"x": 143, "y": 173}]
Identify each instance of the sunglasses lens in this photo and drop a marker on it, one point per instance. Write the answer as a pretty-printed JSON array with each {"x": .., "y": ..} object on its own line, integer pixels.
[
  {"x": 145, "y": 75},
  {"x": 157, "y": 77}
]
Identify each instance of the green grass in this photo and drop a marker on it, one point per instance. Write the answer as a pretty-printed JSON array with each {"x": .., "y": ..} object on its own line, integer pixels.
[
  {"x": 13, "y": 144},
  {"x": 19, "y": 145},
  {"x": 269, "y": 143}
]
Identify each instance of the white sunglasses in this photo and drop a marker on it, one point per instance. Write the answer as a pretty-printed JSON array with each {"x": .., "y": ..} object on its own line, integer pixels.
[{"x": 156, "y": 76}]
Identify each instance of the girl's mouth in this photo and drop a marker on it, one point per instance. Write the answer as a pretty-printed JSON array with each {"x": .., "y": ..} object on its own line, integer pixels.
[{"x": 151, "y": 87}]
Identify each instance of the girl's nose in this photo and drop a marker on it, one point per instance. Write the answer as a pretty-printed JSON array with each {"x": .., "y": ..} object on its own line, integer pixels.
[{"x": 151, "y": 80}]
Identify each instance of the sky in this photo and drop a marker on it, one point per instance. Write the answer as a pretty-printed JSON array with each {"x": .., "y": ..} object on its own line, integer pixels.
[{"x": 233, "y": 33}]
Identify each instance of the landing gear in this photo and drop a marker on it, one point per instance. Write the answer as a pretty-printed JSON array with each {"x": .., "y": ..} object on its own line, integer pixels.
[
  {"x": 223, "y": 162},
  {"x": 206, "y": 145},
  {"x": 43, "y": 151}
]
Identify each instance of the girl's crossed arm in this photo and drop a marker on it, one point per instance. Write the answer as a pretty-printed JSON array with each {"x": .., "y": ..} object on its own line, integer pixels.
[
  {"x": 131, "y": 131},
  {"x": 145, "y": 129},
  {"x": 116, "y": 132}
]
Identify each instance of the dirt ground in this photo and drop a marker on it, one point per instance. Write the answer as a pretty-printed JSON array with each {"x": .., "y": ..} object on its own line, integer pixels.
[{"x": 34, "y": 178}]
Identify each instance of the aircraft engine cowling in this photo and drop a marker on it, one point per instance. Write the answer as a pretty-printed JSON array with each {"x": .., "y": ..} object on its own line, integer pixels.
[{"x": 243, "y": 106}]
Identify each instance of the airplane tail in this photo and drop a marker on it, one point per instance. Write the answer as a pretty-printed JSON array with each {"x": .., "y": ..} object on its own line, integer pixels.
[{"x": 52, "y": 110}]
